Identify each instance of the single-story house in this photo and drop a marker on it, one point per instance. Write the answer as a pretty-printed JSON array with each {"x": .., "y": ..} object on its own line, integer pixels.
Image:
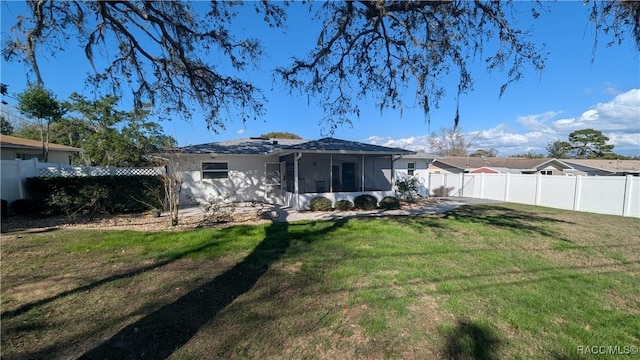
[
  {"x": 496, "y": 165},
  {"x": 604, "y": 167},
  {"x": 13, "y": 147},
  {"x": 290, "y": 172}
]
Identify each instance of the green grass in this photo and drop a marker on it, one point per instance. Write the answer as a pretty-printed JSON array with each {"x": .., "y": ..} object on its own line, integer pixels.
[{"x": 487, "y": 282}]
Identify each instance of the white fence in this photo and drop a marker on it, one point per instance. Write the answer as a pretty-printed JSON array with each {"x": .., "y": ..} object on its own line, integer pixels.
[
  {"x": 614, "y": 195},
  {"x": 13, "y": 173}
]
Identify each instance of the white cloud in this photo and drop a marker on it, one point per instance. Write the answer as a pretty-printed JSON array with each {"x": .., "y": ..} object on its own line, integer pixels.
[
  {"x": 240, "y": 131},
  {"x": 618, "y": 119}
]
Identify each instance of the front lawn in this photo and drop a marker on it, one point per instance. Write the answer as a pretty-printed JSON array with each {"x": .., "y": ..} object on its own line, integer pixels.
[{"x": 496, "y": 281}]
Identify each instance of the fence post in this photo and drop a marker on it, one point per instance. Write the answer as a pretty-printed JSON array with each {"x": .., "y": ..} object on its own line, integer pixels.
[
  {"x": 481, "y": 185},
  {"x": 507, "y": 181},
  {"x": 577, "y": 193},
  {"x": 626, "y": 202},
  {"x": 538, "y": 188},
  {"x": 461, "y": 191}
]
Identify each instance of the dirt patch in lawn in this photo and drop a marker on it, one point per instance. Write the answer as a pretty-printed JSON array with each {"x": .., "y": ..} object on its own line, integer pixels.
[{"x": 138, "y": 222}]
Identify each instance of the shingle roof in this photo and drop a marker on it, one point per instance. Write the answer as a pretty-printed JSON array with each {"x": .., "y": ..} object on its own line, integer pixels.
[
  {"x": 605, "y": 164},
  {"x": 257, "y": 146},
  {"x": 8, "y": 141},
  {"x": 245, "y": 146},
  {"x": 337, "y": 145},
  {"x": 462, "y": 162}
]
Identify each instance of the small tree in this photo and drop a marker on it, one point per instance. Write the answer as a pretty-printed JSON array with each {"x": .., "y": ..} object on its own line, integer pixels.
[
  {"x": 450, "y": 141},
  {"x": 172, "y": 179},
  {"x": 41, "y": 104},
  {"x": 407, "y": 187}
]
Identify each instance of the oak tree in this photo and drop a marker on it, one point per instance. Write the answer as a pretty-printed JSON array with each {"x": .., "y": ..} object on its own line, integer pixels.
[{"x": 170, "y": 53}]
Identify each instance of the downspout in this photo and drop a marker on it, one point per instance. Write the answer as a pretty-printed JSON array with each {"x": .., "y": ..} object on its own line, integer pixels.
[
  {"x": 362, "y": 170},
  {"x": 296, "y": 158}
]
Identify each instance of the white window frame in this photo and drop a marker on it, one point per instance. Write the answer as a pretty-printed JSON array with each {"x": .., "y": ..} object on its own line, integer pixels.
[
  {"x": 411, "y": 168},
  {"x": 223, "y": 171}
]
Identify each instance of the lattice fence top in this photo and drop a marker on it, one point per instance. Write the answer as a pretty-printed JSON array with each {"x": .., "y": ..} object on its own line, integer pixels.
[{"x": 73, "y": 171}]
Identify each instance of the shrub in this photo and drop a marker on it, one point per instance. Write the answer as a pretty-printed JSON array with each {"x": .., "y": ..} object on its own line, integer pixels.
[
  {"x": 4, "y": 211},
  {"x": 320, "y": 203},
  {"x": 344, "y": 205},
  {"x": 24, "y": 207},
  {"x": 390, "y": 203},
  {"x": 365, "y": 202},
  {"x": 407, "y": 187},
  {"x": 93, "y": 195}
]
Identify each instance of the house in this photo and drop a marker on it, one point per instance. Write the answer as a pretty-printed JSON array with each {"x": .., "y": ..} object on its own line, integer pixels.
[
  {"x": 495, "y": 165},
  {"x": 13, "y": 147},
  {"x": 604, "y": 167},
  {"x": 290, "y": 172}
]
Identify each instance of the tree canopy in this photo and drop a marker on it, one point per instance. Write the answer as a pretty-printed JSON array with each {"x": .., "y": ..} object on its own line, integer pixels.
[
  {"x": 582, "y": 144},
  {"x": 450, "y": 141},
  {"x": 280, "y": 135},
  {"x": 107, "y": 135},
  {"x": 170, "y": 53}
]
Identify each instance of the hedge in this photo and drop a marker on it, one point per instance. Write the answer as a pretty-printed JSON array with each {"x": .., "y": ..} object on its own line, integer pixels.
[
  {"x": 92, "y": 195},
  {"x": 390, "y": 203}
]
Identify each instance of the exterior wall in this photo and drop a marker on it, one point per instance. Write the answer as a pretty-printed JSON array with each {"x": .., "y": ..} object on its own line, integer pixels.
[
  {"x": 555, "y": 170},
  {"x": 55, "y": 156},
  {"x": 421, "y": 172},
  {"x": 443, "y": 169},
  {"x": 246, "y": 180},
  {"x": 484, "y": 170}
]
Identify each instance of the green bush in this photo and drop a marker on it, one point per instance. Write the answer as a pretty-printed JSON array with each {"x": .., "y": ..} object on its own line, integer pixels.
[
  {"x": 24, "y": 207},
  {"x": 365, "y": 202},
  {"x": 344, "y": 205},
  {"x": 320, "y": 203},
  {"x": 390, "y": 203},
  {"x": 94, "y": 195}
]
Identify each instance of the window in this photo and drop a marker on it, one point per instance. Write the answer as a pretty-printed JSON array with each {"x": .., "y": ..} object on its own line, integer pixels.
[
  {"x": 29, "y": 156},
  {"x": 411, "y": 168},
  {"x": 546, "y": 172},
  {"x": 215, "y": 170}
]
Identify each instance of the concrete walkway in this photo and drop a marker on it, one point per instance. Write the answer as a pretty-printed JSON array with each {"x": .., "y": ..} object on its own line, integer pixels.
[{"x": 286, "y": 214}]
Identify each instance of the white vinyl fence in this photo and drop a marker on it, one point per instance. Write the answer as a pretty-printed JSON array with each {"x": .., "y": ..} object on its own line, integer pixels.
[
  {"x": 13, "y": 173},
  {"x": 614, "y": 195}
]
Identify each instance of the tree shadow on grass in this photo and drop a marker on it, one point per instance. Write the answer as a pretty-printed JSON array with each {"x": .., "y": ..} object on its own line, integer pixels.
[
  {"x": 506, "y": 218},
  {"x": 471, "y": 340},
  {"x": 160, "y": 333}
]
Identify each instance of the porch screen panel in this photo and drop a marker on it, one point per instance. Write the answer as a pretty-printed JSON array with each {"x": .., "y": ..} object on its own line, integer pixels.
[{"x": 378, "y": 173}]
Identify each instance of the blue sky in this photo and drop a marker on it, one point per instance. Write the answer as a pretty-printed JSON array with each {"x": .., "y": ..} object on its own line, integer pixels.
[{"x": 571, "y": 93}]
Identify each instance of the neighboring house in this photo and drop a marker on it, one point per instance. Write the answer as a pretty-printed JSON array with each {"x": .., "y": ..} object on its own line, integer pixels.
[
  {"x": 604, "y": 167},
  {"x": 13, "y": 147},
  {"x": 284, "y": 171},
  {"x": 494, "y": 165}
]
